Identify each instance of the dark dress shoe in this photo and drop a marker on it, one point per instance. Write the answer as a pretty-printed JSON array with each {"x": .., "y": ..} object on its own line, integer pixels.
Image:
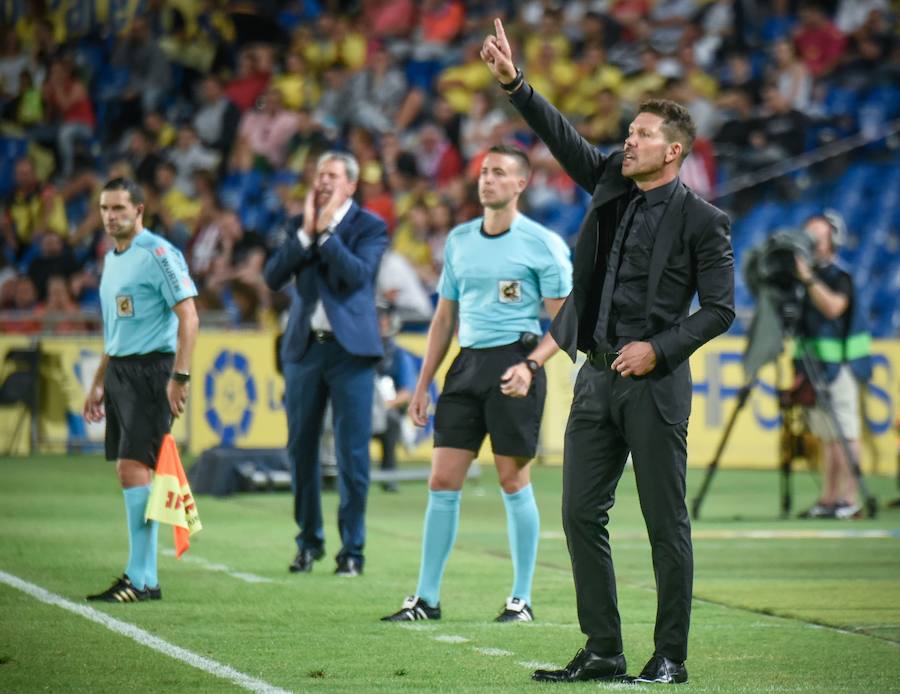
[
  {"x": 585, "y": 666},
  {"x": 348, "y": 567},
  {"x": 303, "y": 562},
  {"x": 661, "y": 670}
]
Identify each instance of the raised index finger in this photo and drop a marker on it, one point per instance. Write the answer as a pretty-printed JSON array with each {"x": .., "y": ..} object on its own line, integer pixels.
[{"x": 501, "y": 34}]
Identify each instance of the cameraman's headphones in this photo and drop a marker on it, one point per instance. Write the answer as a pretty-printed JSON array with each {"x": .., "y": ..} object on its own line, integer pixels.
[{"x": 838, "y": 227}]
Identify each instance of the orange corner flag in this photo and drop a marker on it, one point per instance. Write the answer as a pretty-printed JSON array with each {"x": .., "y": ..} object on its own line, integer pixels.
[{"x": 170, "y": 499}]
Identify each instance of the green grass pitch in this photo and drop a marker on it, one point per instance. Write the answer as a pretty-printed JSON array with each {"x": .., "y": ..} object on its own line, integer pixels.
[{"x": 776, "y": 609}]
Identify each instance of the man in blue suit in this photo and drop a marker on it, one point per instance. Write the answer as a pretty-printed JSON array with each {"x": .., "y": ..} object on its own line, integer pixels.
[{"x": 329, "y": 351}]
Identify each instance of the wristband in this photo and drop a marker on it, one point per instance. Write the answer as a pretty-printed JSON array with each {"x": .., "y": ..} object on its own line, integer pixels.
[
  {"x": 533, "y": 366},
  {"x": 510, "y": 87},
  {"x": 181, "y": 377}
]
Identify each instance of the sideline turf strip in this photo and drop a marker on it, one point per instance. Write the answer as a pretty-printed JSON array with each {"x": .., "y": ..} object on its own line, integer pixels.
[{"x": 757, "y": 600}]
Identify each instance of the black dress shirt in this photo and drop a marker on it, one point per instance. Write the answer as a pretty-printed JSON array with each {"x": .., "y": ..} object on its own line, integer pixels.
[{"x": 629, "y": 301}]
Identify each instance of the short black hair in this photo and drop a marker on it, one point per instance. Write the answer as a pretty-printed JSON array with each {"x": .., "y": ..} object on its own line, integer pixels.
[
  {"x": 677, "y": 126},
  {"x": 126, "y": 184},
  {"x": 516, "y": 153}
]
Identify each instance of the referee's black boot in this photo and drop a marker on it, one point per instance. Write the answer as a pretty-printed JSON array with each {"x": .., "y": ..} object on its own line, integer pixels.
[
  {"x": 122, "y": 590},
  {"x": 413, "y": 610},
  {"x": 661, "y": 670},
  {"x": 303, "y": 562},
  {"x": 586, "y": 666}
]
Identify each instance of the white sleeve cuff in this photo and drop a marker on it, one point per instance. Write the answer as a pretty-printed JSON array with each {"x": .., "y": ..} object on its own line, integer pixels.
[{"x": 304, "y": 239}]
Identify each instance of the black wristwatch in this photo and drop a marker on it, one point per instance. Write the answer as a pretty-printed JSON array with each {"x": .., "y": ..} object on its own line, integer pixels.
[
  {"x": 511, "y": 87},
  {"x": 181, "y": 377},
  {"x": 533, "y": 366}
]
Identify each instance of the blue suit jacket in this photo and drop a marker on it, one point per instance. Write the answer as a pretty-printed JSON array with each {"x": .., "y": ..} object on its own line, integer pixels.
[{"x": 341, "y": 272}]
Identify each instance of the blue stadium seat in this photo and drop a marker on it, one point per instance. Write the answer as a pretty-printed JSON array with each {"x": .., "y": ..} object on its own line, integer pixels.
[
  {"x": 241, "y": 189},
  {"x": 77, "y": 209},
  {"x": 11, "y": 149},
  {"x": 253, "y": 216},
  {"x": 111, "y": 81},
  {"x": 884, "y": 309},
  {"x": 888, "y": 97},
  {"x": 799, "y": 213},
  {"x": 841, "y": 101}
]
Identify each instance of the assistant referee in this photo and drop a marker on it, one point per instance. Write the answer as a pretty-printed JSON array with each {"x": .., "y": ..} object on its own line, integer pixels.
[
  {"x": 497, "y": 269},
  {"x": 149, "y": 330}
]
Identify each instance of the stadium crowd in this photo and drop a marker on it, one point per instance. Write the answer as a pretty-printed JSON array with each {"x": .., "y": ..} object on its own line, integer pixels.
[{"x": 219, "y": 109}]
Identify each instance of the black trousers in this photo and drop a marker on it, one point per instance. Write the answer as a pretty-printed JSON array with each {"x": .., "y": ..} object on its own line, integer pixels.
[{"x": 611, "y": 416}]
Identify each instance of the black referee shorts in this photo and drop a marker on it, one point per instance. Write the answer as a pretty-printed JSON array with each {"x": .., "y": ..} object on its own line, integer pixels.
[
  {"x": 472, "y": 406},
  {"x": 137, "y": 406}
]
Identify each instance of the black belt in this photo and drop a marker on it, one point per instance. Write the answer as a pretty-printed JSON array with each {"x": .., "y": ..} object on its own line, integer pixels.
[
  {"x": 601, "y": 360},
  {"x": 322, "y": 335},
  {"x": 145, "y": 358}
]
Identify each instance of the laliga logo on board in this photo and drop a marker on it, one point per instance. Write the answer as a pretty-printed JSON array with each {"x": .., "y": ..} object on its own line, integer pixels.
[{"x": 230, "y": 392}]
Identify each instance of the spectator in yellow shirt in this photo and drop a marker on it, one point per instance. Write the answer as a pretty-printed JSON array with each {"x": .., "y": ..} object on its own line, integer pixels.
[
  {"x": 647, "y": 81},
  {"x": 594, "y": 74},
  {"x": 551, "y": 73},
  {"x": 458, "y": 83},
  {"x": 31, "y": 210},
  {"x": 412, "y": 241},
  {"x": 297, "y": 84}
]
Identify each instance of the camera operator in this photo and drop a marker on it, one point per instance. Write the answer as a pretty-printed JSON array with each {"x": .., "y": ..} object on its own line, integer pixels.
[{"x": 832, "y": 331}]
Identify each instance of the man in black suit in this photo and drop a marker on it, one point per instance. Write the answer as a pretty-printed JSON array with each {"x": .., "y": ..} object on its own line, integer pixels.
[{"x": 646, "y": 246}]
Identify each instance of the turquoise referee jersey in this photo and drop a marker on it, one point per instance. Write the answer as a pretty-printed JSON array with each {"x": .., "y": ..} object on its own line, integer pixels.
[
  {"x": 499, "y": 281},
  {"x": 137, "y": 292}
]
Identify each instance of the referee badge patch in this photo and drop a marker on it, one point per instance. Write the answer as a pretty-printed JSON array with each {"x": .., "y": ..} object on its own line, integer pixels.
[
  {"x": 510, "y": 291},
  {"x": 124, "y": 306}
]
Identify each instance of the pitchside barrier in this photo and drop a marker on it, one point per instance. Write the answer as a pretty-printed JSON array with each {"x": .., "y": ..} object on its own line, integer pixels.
[{"x": 236, "y": 400}]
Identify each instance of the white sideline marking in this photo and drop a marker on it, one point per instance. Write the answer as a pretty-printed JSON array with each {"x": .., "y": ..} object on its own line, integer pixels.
[
  {"x": 449, "y": 638},
  {"x": 756, "y": 535},
  {"x": 534, "y": 625},
  {"x": 627, "y": 686},
  {"x": 212, "y": 566},
  {"x": 144, "y": 638},
  {"x": 794, "y": 534},
  {"x": 492, "y": 651}
]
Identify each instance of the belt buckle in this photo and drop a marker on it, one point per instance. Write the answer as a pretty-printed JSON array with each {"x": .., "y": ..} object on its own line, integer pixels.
[
  {"x": 596, "y": 358},
  {"x": 319, "y": 335}
]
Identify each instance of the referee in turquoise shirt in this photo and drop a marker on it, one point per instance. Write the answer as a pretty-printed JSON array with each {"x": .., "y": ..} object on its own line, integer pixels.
[
  {"x": 149, "y": 330},
  {"x": 497, "y": 271}
]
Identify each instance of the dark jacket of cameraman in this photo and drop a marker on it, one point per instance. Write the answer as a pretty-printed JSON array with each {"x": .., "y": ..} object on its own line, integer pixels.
[{"x": 832, "y": 342}]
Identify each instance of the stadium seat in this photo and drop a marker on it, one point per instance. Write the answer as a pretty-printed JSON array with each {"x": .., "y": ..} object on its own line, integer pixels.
[
  {"x": 253, "y": 216},
  {"x": 842, "y": 102},
  {"x": 887, "y": 96}
]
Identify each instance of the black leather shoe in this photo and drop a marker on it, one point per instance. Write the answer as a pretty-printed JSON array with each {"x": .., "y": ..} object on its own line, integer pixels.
[
  {"x": 661, "y": 670},
  {"x": 585, "y": 666},
  {"x": 303, "y": 562},
  {"x": 348, "y": 567}
]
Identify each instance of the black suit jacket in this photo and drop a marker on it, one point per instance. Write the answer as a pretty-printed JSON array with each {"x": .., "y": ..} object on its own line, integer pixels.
[{"x": 692, "y": 254}]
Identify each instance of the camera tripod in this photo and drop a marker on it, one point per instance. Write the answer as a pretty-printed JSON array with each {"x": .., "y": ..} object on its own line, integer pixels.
[{"x": 823, "y": 400}]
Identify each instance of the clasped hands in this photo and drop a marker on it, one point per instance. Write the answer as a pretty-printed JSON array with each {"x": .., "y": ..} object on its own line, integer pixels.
[{"x": 316, "y": 220}]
